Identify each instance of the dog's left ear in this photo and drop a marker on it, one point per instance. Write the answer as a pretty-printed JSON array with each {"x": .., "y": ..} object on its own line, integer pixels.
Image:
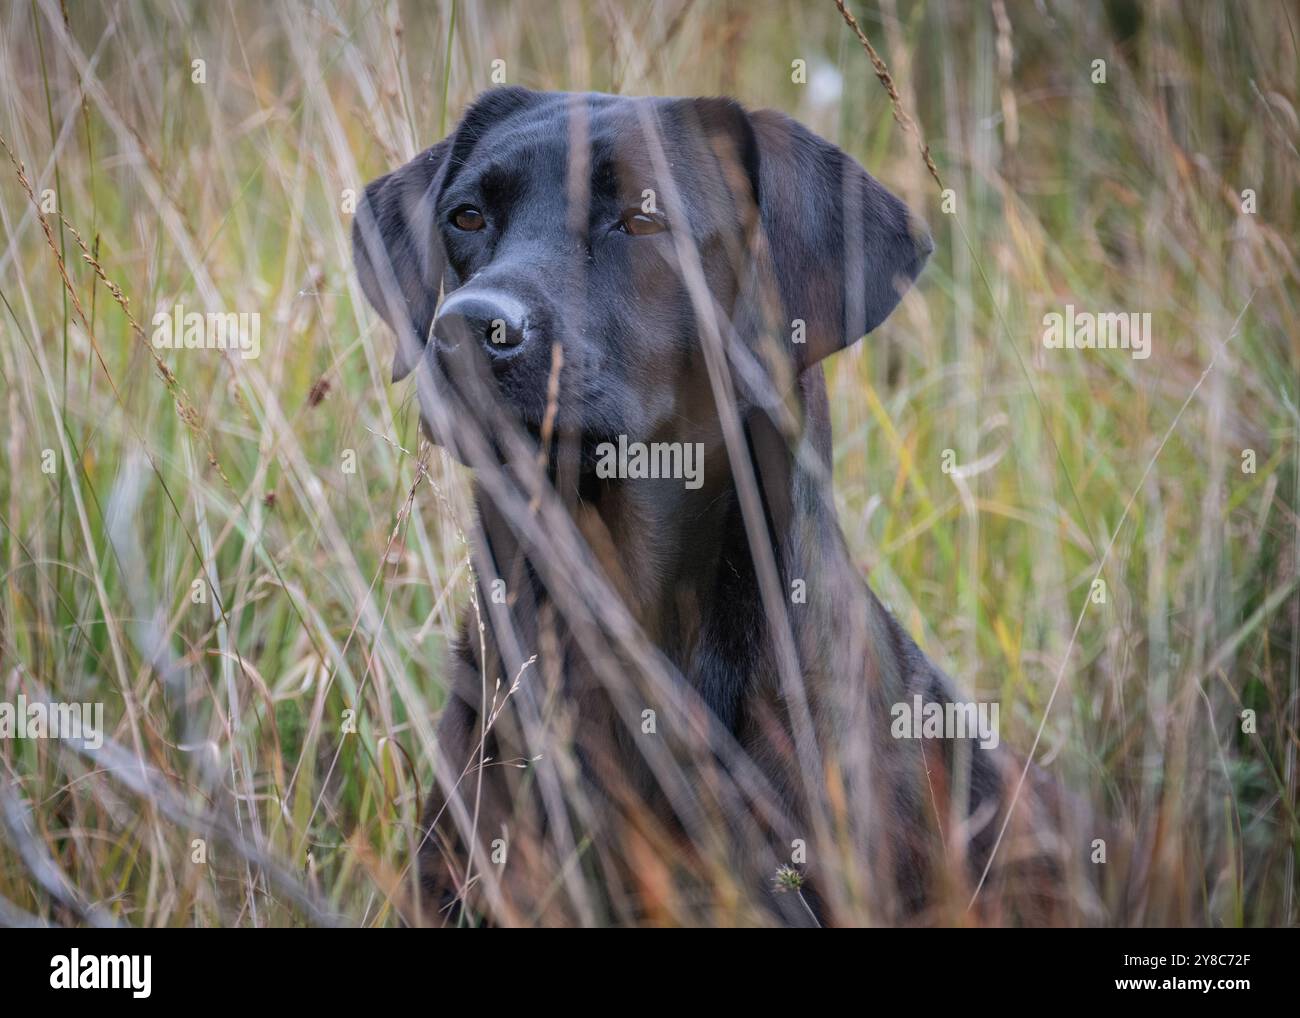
[
  {"x": 843, "y": 249},
  {"x": 396, "y": 243},
  {"x": 398, "y": 251}
]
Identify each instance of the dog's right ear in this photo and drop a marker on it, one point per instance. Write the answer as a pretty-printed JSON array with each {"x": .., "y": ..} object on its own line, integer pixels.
[
  {"x": 844, "y": 250},
  {"x": 397, "y": 249}
]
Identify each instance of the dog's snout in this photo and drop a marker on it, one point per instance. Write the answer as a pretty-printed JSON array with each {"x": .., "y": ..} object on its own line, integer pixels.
[{"x": 496, "y": 321}]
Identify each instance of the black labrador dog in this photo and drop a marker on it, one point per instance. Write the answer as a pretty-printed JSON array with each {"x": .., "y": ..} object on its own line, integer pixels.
[{"x": 674, "y": 696}]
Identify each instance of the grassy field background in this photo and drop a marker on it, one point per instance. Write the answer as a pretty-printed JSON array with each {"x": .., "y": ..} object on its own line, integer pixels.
[{"x": 181, "y": 538}]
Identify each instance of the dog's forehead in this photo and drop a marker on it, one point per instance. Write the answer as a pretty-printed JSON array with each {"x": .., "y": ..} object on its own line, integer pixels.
[
  {"x": 565, "y": 115},
  {"x": 620, "y": 136}
]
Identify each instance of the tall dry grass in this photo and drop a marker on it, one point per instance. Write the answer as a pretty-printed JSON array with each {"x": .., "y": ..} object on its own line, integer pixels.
[{"x": 181, "y": 540}]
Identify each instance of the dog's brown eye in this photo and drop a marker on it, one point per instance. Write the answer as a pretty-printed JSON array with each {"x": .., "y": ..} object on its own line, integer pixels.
[
  {"x": 468, "y": 218},
  {"x": 641, "y": 224}
]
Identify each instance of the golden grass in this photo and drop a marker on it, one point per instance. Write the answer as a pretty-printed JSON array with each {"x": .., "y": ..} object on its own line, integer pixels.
[{"x": 199, "y": 560}]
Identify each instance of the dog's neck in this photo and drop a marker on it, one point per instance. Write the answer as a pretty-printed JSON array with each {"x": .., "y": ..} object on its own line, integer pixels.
[
  {"x": 662, "y": 546},
  {"x": 674, "y": 553}
]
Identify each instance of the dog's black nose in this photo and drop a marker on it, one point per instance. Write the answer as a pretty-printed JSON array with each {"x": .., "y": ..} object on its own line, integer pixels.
[{"x": 496, "y": 321}]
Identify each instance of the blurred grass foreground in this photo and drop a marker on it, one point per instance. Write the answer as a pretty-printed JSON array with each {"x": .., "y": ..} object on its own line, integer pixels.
[{"x": 253, "y": 562}]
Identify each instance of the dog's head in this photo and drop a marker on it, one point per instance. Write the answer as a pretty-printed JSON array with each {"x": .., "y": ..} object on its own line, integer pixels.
[{"x": 629, "y": 237}]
